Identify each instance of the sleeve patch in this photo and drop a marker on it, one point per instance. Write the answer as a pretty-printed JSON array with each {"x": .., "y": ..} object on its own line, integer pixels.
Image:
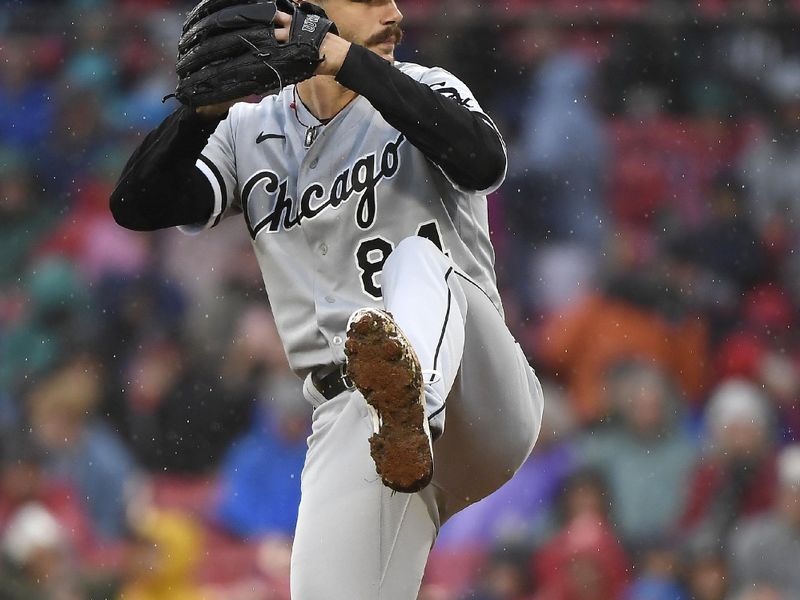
[{"x": 452, "y": 93}]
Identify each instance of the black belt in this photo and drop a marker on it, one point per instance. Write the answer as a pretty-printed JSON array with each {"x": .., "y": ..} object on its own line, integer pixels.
[{"x": 332, "y": 384}]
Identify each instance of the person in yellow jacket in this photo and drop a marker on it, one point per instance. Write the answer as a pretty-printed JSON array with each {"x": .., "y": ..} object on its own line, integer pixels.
[{"x": 163, "y": 560}]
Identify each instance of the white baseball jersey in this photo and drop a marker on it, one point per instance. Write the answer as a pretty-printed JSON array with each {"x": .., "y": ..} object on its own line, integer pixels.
[{"x": 326, "y": 204}]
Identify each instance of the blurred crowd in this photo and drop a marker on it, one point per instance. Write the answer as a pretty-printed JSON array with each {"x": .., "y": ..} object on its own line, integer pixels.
[{"x": 647, "y": 235}]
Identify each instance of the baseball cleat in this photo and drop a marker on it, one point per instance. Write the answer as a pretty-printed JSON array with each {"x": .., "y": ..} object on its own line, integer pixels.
[{"x": 382, "y": 364}]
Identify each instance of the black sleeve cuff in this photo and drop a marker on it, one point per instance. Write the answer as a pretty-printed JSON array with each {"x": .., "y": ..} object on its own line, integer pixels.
[{"x": 195, "y": 129}]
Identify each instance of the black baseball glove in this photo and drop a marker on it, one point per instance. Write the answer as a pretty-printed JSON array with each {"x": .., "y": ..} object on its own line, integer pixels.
[{"x": 228, "y": 49}]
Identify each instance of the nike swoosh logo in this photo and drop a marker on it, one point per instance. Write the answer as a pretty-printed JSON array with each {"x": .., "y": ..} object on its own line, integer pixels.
[{"x": 269, "y": 136}]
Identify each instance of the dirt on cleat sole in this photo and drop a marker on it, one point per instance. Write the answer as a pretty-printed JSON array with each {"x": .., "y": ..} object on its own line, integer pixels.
[{"x": 384, "y": 367}]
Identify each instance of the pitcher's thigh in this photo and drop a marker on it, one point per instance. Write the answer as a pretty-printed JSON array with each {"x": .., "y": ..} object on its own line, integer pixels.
[
  {"x": 494, "y": 411},
  {"x": 355, "y": 538}
]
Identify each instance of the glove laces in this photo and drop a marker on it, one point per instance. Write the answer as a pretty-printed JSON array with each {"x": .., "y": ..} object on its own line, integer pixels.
[{"x": 263, "y": 56}]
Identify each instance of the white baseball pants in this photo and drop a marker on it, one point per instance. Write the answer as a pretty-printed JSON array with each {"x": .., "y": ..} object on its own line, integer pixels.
[{"x": 358, "y": 540}]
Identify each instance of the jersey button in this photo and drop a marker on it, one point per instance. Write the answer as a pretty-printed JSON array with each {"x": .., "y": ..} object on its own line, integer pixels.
[
  {"x": 330, "y": 299},
  {"x": 314, "y": 163},
  {"x": 337, "y": 340},
  {"x": 323, "y": 249}
]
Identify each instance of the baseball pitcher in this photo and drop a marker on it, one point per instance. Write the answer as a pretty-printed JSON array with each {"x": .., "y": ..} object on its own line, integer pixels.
[{"x": 362, "y": 182}]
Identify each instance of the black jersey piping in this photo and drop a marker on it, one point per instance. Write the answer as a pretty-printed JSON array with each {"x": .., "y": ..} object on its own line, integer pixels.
[
  {"x": 446, "y": 319},
  {"x": 222, "y": 188}
]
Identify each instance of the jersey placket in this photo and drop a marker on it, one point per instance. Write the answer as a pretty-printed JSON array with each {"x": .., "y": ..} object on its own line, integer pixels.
[{"x": 315, "y": 232}]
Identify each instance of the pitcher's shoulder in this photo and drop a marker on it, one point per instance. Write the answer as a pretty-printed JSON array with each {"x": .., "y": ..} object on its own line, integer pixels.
[
  {"x": 429, "y": 75},
  {"x": 414, "y": 70}
]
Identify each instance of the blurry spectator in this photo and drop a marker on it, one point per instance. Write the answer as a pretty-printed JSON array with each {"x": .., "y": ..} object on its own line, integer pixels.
[
  {"x": 433, "y": 592},
  {"x": 55, "y": 319},
  {"x": 737, "y": 476},
  {"x": 726, "y": 250},
  {"x": 23, "y": 219},
  {"x": 765, "y": 550},
  {"x": 742, "y": 52},
  {"x": 180, "y": 415},
  {"x": 254, "y": 354},
  {"x": 134, "y": 310},
  {"x": 228, "y": 268},
  {"x": 584, "y": 560},
  {"x": 505, "y": 576},
  {"x": 706, "y": 571},
  {"x": 26, "y": 109},
  {"x": 77, "y": 146},
  {"x": 136, "y": 102},
  {"x": 90, "y": 60},
  {"x": 638, "y": 318},
  {"x": 728, "y": 244},
  {"x": 554, "y": 198},
  {"x": 23, "y": 481},
  {"x": 525, "y": 44},
  {"x": 643, "y": 71},
  {"x": 89, "y": 237},
  {"x": 564, "y": 152},
  {"x": 163, "y": 558},
  {"x": 657, "y": 574},
  {"x": 761, "y": 592},
  {"x": 37, "y": 558},
  {"x": 645, "y": 454},
  {"x": 780, "y": 375},
  {"x": 556, "y": 277},
  {"x": 762, "y": 346},
  {"x": 81, "y": 448},
  {"x": 260, "y": 474},
  {"x": 771, "y": 166},
  {"x": 664, "y": 174}
]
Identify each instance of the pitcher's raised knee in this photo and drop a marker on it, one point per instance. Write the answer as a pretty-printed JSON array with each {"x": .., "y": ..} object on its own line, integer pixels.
[{"x": 415, "y": 249}]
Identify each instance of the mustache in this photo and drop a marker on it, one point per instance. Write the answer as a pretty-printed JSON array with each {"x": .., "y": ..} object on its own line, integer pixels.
[{"x": 393, "y": 33}]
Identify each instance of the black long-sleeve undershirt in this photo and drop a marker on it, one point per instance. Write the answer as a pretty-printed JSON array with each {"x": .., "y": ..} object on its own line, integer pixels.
[
  {"x": 160, "y": 185},
  {"x": 460, "y": 141}
]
